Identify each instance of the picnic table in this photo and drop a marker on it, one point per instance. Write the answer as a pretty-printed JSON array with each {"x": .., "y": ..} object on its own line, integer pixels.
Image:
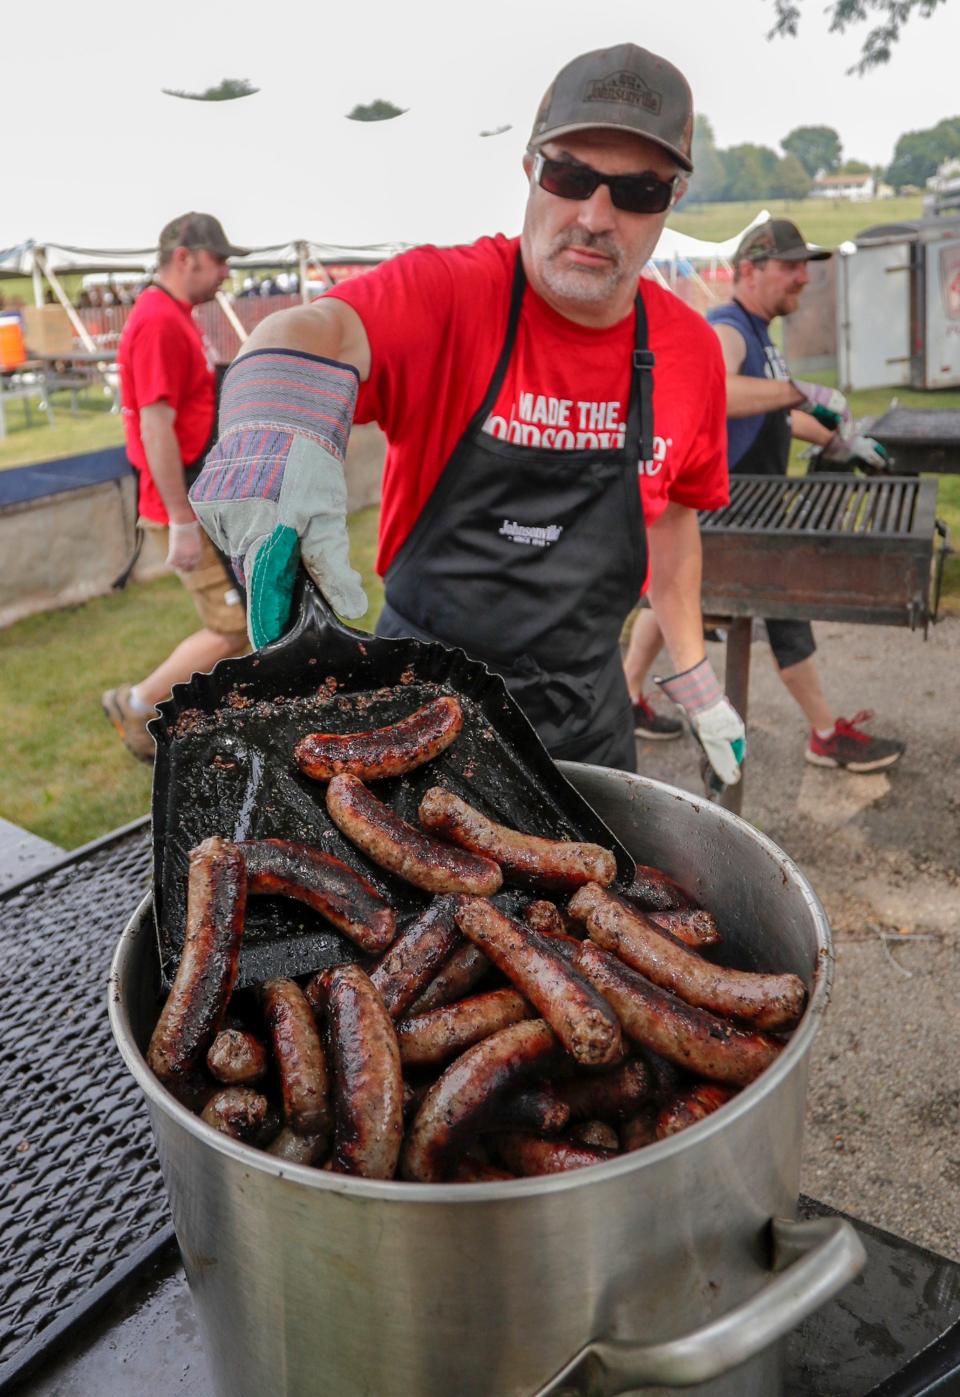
[{"x": 43, "y": 374}]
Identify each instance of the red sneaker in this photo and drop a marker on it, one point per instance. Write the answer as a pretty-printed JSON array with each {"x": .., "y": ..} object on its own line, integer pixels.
[
  {"x": 650, "y": 724},
  {"x": 857, "y": 751}
]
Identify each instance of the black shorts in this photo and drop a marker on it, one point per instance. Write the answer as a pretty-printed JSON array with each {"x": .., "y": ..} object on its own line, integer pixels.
[{"x": 790, "y": 641}]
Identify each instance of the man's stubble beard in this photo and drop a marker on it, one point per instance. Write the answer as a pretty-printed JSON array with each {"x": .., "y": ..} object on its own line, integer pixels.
[{"x": 583, "y": 283}]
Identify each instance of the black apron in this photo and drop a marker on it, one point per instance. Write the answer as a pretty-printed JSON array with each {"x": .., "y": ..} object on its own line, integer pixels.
[
  {"x": 769, "y": 452},
  {"x": 530, "y": 559}
]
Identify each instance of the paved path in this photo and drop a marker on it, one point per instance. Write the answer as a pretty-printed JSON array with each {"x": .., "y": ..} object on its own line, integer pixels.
[{"x": 883, "y": 853}]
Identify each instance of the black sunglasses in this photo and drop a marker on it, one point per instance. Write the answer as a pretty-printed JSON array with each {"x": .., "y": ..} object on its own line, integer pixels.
[{"x": 631, "y": 193}]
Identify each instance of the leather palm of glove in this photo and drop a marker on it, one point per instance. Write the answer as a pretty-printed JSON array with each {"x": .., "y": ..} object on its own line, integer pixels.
[
  {"x": 827, "y": 405},
  {"x": 272, "y": 491},
  {"x": 856, "y": 449},
  {"x": 713, "y": 720}
]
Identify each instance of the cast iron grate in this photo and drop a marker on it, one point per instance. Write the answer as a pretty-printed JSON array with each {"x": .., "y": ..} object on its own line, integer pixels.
[
  {"x": 824, "y": 505},
  {"x": 81, "y": 1197}
]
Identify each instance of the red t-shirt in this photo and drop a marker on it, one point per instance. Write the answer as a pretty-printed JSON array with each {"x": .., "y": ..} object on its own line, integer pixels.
[
  {"x": 163, "y": 357},
  {"x": 436, "y": 320}
]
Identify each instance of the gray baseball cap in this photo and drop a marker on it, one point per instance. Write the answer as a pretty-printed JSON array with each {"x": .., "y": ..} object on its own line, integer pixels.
[
  {"x": 778, "y": 238},
  {"x": 620, "y": 89},
  {"x": 198, "y": 230}
]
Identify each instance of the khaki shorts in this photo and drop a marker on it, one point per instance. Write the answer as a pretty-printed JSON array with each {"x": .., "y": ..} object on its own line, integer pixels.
[{"x": 215, "y": 595}]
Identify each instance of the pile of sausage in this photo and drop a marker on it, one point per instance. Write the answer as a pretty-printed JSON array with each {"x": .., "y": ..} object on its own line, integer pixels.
[{"x": 473, "y": 1046}]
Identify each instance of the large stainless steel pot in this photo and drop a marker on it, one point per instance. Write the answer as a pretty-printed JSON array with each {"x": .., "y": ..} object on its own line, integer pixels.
[{"x": 676, "y": 1266}]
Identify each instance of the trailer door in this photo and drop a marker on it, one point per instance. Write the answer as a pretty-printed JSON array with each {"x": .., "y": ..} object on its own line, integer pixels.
[{"x": 873, "y": 314}]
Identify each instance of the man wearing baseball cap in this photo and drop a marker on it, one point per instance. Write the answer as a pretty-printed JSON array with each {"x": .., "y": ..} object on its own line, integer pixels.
[
  {"x": 522, "y": 384},
  {"x": 766, "y": 407},
  {"x": 167, "y": 382}
]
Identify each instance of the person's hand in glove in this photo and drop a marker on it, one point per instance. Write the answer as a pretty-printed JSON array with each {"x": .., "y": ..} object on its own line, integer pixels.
[
  {"x": 272, "y": 491},
  {"x": 715, "y": 723},
  {"x": 827, "y": 405},
  {"x": 184, "y": 546},
  {"x": 854, "y": 448}
]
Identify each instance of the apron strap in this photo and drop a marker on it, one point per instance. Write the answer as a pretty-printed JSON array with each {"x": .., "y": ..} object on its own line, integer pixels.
[
  {"x": 639, "y": 435},
  {"x": 499, "y": 373}
]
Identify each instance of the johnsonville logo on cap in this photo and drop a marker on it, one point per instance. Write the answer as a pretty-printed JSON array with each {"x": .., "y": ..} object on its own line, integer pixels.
[{"x": 626, "y": 88}]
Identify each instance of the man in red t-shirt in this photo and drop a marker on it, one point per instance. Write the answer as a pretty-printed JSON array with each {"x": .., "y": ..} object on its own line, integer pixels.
[
  {"x": 526, "y": 386},
  {"x": 167, "y": 382}
]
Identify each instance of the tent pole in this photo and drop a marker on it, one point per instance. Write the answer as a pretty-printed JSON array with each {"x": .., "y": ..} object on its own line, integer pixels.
[
  {"x": 302, "y": 263},
  {"x": 232, "y": 318},
  {"x": 81, "y": 330},
  {"x": 37, "y": 281}
]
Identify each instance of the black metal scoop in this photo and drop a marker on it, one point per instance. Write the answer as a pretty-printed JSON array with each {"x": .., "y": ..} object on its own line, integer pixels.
[{"x": 224, "y": 766}]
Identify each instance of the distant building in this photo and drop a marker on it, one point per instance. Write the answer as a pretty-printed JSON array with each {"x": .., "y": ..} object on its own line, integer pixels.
[
  {"x": 943, "y": 188},
  {"x": 855, "y": 187}
]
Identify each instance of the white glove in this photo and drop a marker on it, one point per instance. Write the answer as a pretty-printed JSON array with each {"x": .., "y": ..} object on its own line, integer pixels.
[
  {"x": 714, "y": 721},
  {"x": 185, "y": 546},
  {"x": 856, "y": 447},
  {"x": 719, "y": 730},
  {"x": 827, "y": 405}
]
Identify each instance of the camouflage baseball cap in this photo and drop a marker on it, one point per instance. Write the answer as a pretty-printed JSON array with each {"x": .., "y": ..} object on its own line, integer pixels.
[
  {"x": 779, "y": 238},
  {"x": 198, "y": 230},
  {"x": 620, "y": 89}
]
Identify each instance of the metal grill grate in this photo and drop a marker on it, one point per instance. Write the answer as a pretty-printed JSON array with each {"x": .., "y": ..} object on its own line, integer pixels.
[
  {"x": 821, "y": 505},
  {"x": 80, "y": 1191}
]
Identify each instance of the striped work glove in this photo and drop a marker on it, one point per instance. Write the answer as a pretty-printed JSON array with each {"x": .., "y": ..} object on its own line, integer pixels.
[
  {"x": 272, "y": 491},
  {"x": 714, "y": 721},
  {"x": 827, "y": 405}
]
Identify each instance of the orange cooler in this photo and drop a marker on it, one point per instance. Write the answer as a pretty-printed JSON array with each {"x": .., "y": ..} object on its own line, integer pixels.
[{"x": 13, "y": 351}]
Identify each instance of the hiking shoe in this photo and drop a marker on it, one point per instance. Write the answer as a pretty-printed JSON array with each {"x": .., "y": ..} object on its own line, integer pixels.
[
  {"x": 856, "y": 751},
  {"x": 131, "y": 726},
  {"x": 650, "y": 724}
]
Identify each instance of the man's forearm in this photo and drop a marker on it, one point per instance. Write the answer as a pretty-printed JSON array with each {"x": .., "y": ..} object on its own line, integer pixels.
[
  {"x": 807, "y": 428},
  {"x": 747, "y": 397},
  {"x": 674, "y": 589},
  {"x": 166, "y": 467}
]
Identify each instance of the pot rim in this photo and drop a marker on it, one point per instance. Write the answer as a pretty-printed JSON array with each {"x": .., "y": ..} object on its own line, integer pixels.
[{"x": 400, "y": 1191}]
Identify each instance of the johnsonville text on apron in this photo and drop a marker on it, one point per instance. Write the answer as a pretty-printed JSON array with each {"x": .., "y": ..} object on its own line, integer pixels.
[{"x": 530, "y": 559}]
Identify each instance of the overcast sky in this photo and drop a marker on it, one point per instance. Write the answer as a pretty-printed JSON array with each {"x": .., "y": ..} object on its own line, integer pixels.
[
  {"x": 495, "y": 57},
  {"x": 91, "y": 130}
]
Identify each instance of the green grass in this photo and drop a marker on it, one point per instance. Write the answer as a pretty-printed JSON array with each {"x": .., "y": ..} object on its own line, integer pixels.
[
  {"x": 31, "y": 437},
  {"x": 65, "y": 775},
  {"x": 825, "y": 221}
]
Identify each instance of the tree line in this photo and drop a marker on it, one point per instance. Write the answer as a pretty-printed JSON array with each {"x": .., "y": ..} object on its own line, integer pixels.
[{"x": 750, "y": 171}]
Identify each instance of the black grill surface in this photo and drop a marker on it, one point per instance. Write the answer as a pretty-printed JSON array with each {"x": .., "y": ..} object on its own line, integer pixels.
[
  {"x": 81, "y": 1199},
  {"x": 845, "y": 505}
]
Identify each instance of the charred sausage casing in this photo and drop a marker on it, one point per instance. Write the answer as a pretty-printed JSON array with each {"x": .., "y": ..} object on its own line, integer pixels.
[
  {"x": 209, "y": 960},
  {"x": 446, "y": 1032},
  {"x": 694, "y": 1105},
  {"x": 610, "y": 1095},
  {"x": 299, "y": 1056},
  {"x": 236, "y": 1111},
  {"x": 236, "y": 1057},
  {"x": 581, "y": 1018},
  {"x": 768, "y": 1001},
  {"x": 689, "y": 1037},
  {"x": 524, "y": 858},
  {"x": 466, "y": 1095},
  {"x": 416, "y": 955},
  {"x": 528, "y": 1154},
  {"x": 366, "y": 1072},
  {"x": 393, "y": 844},
  {"x": 655, "y": 891},
  {"x": 458, "y": 975},
  {"x": 382, "y": 752},
  {"x": 694, "y": 926},
  {"x": 325, "y": 883}
]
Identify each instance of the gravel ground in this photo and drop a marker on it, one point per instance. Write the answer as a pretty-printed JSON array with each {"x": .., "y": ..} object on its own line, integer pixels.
[{"x": 883, "y": 854}]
